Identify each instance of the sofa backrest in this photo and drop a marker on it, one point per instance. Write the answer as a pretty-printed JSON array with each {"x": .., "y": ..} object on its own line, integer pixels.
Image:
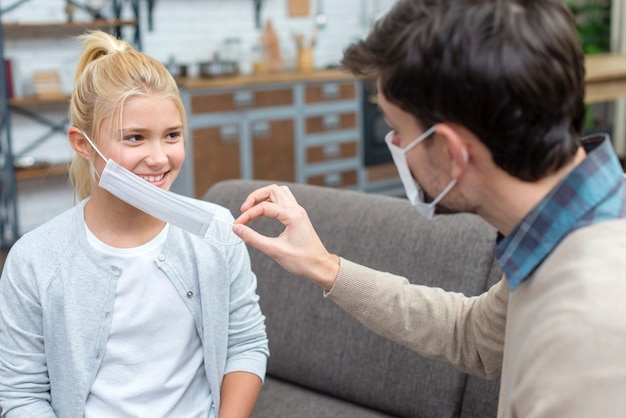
[{"x": 315, "y": 344}]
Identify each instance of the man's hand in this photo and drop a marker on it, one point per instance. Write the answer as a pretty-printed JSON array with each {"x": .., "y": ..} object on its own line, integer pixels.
[{"x": 298, "y": 248}]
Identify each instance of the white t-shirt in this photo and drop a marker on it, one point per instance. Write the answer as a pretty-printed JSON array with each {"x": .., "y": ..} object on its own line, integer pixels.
[{"x": 153, "y": 365}]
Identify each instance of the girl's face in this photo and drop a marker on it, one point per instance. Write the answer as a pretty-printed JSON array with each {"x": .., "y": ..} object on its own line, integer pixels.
[{"x": 151, "y": 144}]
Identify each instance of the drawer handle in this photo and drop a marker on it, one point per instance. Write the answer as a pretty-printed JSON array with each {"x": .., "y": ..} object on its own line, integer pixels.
[
  {"x": 331, "y": 122},
  {"x": 229, "y": 133},
  {"x": 261, "y": 130},
  {"x": 332, "y": 151},
  {"x": 330, "y": 90},
  {"x": 332, "y": 180},
  {"x": 243, "y": 99}
]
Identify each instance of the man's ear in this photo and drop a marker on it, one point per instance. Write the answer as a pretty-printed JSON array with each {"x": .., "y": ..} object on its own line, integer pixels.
[
  {"x": 79, "y": 144},
  {"x": 457, "y": 147}
]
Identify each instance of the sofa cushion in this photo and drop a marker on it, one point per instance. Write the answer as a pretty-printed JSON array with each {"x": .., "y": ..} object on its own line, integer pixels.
[{"x": 315, "y": 344}]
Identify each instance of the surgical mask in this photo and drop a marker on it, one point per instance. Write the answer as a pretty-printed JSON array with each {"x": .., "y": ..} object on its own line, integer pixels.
[
  {"x": 181, "y": 211},
  {"x": 414, "y": 192}
]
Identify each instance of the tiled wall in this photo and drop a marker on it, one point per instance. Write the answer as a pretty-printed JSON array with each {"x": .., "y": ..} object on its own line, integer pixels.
[{"x": 189, "y": 30}]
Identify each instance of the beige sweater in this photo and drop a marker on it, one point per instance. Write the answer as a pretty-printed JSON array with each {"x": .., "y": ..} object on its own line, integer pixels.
[{"x": 558, "y": 341}]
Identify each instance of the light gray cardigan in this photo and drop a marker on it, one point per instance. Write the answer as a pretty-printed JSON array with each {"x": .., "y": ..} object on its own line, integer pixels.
[{"x": 56, "y": 299}]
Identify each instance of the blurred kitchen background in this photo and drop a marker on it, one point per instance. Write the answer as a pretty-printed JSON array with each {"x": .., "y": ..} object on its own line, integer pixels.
[
  {"x": 260, "y": 83},
  {"x": 181, "y": 33}
]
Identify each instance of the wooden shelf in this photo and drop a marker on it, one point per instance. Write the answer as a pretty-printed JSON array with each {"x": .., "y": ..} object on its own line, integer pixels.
[
  {"x": 39, "y": 29},
  {"x": 34, "y": 100},
  {"x": 41, "y": 171}
]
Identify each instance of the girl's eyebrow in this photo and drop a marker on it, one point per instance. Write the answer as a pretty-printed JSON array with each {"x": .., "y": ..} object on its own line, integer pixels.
[{"x": 142, "y": 130}]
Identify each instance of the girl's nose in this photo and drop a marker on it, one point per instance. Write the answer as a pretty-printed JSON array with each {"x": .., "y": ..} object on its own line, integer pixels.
[{"x": 157, "y": 154}]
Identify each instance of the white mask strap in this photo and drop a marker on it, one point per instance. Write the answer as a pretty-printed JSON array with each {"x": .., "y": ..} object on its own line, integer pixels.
[
  {"x": 419, "y": 139},
  {"x": 94, "y": 146},
  {"x": 443, "y": 193}
]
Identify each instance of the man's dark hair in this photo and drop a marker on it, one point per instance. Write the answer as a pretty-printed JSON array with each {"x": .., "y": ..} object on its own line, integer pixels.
[{"x": 510, "y": 71}]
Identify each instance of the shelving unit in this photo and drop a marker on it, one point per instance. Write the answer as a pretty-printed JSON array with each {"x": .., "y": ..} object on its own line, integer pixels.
[
  {"x": 29, "y": 106},
  {"x": 38, "y": 30},
  {"x": 8, "y": 193}
]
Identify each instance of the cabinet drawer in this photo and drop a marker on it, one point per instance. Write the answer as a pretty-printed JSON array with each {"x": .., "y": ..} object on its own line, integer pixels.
[
  {"x": 330, "y": 92},
  {"x": 273, "y": 150},
  {"x": 215, "y": 156},
  {"x": 240, "y": 100},
  {"x": 335, "y": 179},
  {"x": 381, "y": 172},
  {"x": 331, "y": 152},
  {"x": 330, "y": 122}
]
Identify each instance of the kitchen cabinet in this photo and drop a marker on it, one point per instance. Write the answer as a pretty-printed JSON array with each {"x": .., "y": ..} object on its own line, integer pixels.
[
  {"x": 282, "y": 129},
  {"x": 243, "y": 132},
  {"x": 331, "y": 136}
]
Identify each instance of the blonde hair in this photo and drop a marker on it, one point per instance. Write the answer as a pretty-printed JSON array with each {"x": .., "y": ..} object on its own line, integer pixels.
[{"x": 109, "y": 73}]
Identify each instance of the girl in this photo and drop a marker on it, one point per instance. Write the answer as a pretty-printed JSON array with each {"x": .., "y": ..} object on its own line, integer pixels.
[{"x": 107, "y": 311}]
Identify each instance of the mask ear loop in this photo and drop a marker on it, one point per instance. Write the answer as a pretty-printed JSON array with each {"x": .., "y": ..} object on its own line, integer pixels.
[
  {"x": 96, "y": 149},
  {"x": 452, "y": 183}
]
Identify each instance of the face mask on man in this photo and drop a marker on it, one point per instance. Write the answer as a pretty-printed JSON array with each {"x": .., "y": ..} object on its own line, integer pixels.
[
  {"x": 414, "y": 192},
  {"x": 169, "y": 207}
]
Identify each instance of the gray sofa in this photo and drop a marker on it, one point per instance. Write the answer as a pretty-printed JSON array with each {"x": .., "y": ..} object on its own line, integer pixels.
[{"x": 324, "y": 363}]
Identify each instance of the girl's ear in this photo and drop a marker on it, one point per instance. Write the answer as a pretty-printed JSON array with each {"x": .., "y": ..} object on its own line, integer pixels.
[
  {"x": 457, "y": 148},
  {"x": 79, "y": 144}
]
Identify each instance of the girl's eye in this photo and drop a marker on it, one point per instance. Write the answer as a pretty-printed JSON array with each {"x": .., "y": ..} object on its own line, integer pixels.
[
  {"x": 174, "y": 136},
  {"x": 132, "y": 138}
]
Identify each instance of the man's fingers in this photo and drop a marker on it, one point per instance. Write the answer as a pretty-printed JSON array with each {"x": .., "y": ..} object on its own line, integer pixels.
[
  {"x": 254, "y": 239},
  {"x": 271, "y": 210},
  {"x": 257, "y": 196},
  {"x": 272, "y": 193}
]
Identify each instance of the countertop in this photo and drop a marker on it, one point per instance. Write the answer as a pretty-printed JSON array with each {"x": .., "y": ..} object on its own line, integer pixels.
[
  {"x": 263, "y": 78},
  {"x": 605, "y": 78}
]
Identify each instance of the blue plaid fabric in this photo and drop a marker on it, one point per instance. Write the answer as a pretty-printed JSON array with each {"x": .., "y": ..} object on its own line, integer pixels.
[{"x": 593, "y": 192}]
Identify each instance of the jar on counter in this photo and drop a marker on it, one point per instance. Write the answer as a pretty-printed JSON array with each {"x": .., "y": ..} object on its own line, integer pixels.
[
  {"x": 231, "y": 54},
  {"x": 259, "y": 59}
]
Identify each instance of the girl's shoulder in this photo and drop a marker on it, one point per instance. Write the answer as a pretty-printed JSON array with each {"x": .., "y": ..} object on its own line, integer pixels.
[{"x": 53, "y": 235}]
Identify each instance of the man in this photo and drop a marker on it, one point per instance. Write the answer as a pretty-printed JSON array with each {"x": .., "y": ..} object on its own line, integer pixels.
[{"x": 485, "y": 98}]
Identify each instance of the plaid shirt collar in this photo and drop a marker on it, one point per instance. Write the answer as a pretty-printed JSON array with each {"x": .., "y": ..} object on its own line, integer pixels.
[{"x": 593, "y": 191}]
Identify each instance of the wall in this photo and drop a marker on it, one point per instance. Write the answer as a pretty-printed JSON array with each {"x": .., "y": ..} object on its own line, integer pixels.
[{"x": 189, "y": 30}]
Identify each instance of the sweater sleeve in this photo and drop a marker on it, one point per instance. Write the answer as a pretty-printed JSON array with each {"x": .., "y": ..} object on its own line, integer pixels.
[
  {"x": 467, "y": 332},
  {"x": 24, "y": 382},
  {"x": 247, "y": 340}
]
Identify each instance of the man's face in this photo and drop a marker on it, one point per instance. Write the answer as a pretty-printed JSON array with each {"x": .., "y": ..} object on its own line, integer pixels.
[
  {"x": 427, "y": 160},
  {"x": 405, "y": 131}
]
